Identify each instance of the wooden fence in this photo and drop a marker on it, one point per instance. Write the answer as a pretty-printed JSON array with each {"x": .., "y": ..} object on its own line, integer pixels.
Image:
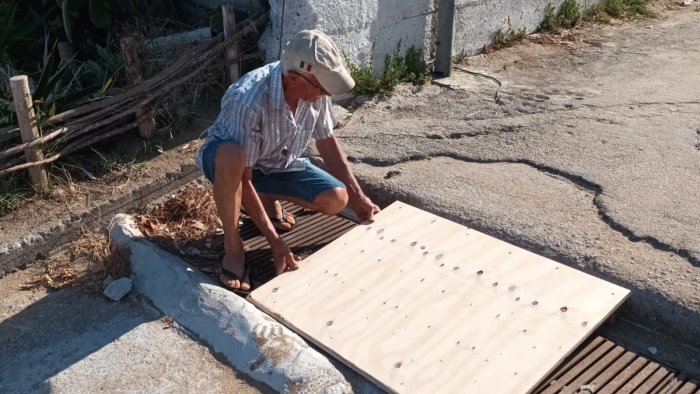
[{"x": 83, "y": 126}]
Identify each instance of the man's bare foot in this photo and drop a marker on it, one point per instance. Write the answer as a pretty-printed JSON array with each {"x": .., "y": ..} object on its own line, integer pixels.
[{"x": 234, "y": 274}]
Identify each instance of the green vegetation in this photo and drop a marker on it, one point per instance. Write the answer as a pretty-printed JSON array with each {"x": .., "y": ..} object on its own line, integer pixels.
[
  {"x": 397, "y": 69},
  {"x": 509, "y": 38},
  {"x": 504, "y": 39},
  {"x": 570, "y": 14},
  {"x": 30, "y": 34},
  {"x": 9, "y": 201},
  {"x": 620, "y": 9},
  {"x": 10, "y": 195},
  {"x": 549, "y": 23}
]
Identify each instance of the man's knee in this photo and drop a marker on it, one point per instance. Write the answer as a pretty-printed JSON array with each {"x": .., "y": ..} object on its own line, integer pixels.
[
  {"x": 229, "y": 159},
  {"x": 331, "y": 201}
]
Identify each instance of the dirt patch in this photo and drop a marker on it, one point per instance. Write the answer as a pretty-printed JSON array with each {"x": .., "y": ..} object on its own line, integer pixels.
[
  {"x": 89, "y": 262},
  {"x": 55, "y": 276},
  {"x": 88, "y": 188}
]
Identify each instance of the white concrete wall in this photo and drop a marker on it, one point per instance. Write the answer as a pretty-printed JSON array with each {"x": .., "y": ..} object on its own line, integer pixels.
[
  {"x": 353, "y": 25},
  {"x": 357, "y": 25},
  {"x": 476, "y": 21}
]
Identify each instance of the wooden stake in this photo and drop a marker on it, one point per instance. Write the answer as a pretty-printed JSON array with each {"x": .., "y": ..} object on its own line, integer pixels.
[
  {"x": 232, "y": 60},
  {"x": 26, "y": 118},
  {"x": 132, "y": 66}
]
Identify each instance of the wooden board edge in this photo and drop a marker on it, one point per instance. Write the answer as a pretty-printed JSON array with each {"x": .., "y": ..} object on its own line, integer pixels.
[{"x": 328, "y": 350}]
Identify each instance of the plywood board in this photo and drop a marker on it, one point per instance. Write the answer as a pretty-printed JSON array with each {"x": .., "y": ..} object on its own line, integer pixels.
[{"x": 420, "y": 304}]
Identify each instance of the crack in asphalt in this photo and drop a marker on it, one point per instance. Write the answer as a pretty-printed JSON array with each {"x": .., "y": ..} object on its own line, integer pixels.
[
  {"x": 643, "y": 103},
  {"x": 575, "y": 179},
  {"x": 568, "y": 108},
  {"x": 440, "y": 135}
]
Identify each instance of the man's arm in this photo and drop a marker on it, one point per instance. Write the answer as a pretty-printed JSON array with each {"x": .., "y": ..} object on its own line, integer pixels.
[
  {"x": 282, "y": 255},
  {"x": 334, "y": 157}
]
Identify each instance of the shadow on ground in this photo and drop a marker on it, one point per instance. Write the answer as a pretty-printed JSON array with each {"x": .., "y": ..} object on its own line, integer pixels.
[{"x": 58, "y": 331}]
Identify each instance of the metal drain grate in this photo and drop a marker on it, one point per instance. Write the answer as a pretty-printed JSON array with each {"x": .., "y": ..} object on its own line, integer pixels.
[
  {"x": 312, "y": 232},
  {"x": 598, "y": 366},
  {"x": 602, "y": 367}
]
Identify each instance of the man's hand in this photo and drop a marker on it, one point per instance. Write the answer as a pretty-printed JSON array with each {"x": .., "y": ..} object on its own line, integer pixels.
[
  {"x": 283, "y": 257},
  {"x": 364, "y": 208},
  {"x": 335, "y": 159}
]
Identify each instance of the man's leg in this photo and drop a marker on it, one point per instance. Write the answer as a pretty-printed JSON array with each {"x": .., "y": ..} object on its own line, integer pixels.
[
  {"x": 312, "y": 188},
  {"x": 330, "y": 201},
  {"x": 229, "y": 167}
]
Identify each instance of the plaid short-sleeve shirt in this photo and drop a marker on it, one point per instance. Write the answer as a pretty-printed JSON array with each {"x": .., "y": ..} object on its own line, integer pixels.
[{"x": 255, "y": 116}]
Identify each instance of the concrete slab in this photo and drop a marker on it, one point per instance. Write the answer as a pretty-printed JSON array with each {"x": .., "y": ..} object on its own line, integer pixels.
[{"x": 592, "y": 159}]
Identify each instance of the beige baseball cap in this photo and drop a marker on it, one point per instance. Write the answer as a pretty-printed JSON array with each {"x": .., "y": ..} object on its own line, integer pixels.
[{"x": 312, "y": 52}]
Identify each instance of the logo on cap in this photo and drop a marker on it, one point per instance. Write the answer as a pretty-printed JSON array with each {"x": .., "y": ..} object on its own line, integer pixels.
[{"x": 305, "y": 66}]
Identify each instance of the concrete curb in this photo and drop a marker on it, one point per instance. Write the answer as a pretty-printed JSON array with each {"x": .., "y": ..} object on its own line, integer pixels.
[{"x": 254, "y": 343}]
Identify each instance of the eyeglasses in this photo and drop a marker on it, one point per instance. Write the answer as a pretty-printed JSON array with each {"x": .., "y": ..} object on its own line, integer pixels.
[{"x": 320, "y": 88}]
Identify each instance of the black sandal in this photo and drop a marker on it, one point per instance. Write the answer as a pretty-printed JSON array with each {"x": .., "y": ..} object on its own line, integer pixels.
[{"x": 232, "y": 276}]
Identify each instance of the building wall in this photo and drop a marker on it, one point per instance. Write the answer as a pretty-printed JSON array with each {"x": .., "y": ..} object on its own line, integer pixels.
[
  {"x": 356, "y": 26},
  {"x": 370, "y": 29},
  {"x": 476, "y": 21}
]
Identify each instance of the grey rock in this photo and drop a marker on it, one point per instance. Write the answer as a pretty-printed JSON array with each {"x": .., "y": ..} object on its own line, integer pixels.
[{"x": 117, "y": 289}]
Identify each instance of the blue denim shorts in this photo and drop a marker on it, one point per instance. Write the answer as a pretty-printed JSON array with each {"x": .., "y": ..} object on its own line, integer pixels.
[{"x": 306, "y": 184}]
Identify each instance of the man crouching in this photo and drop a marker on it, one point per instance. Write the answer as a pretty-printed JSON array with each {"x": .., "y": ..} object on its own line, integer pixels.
[{"x": 252, "y": 151}]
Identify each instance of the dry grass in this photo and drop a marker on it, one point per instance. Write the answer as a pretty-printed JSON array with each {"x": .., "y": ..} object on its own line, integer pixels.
[
  {"x": 188, "y": 226},
  {"x": 56, "y": 275},
  {"x": 189, "y": 214},
  {"x": 89, "y": 260}
]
